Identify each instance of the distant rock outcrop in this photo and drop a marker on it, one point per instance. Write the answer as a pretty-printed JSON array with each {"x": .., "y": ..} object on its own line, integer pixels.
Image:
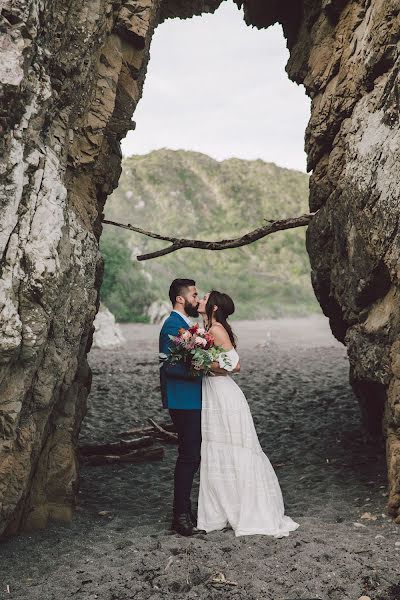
[
  {"x": 158, "y": 311},
  {"x": 71, "y": 76},
  {"x": 108, "y": 334}
]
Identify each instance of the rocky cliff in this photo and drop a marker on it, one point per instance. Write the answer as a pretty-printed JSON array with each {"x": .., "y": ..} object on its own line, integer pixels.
[{"x": 71, "y": 76}]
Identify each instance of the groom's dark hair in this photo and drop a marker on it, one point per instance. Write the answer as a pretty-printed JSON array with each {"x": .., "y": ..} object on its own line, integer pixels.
[{"x": 177, "y": 286}]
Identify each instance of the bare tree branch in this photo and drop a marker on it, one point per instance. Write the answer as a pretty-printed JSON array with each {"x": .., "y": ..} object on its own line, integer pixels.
[{"x": 244, "y": 240}]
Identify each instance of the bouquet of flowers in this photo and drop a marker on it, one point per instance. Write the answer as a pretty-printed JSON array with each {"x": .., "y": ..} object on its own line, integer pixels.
[{"x": 196, "y": 348}]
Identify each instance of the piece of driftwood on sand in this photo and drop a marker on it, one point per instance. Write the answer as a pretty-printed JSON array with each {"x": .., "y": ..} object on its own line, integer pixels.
[
  {"x": 148, "y": 429},
  {"x": 166, "y": 435},
  {"x": 164, "y": 431},
  {"x": 135, "y": 456},
  {"x": 132, "y": 450},
  {"x": 121, "y": 447}
]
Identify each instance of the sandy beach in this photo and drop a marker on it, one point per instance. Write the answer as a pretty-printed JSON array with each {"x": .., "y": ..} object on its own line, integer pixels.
[{"x": 295, "y": 377}]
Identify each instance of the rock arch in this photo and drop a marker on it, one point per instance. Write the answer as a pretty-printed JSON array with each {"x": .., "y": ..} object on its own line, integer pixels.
[{"x": 72, "y": 75}]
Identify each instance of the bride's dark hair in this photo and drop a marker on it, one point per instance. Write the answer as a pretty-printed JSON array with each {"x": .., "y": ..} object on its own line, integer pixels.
[{"x": 225, "y": 308}]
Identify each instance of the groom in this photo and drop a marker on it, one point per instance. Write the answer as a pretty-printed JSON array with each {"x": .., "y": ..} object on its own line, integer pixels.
[{"x": 181, "y": 394}]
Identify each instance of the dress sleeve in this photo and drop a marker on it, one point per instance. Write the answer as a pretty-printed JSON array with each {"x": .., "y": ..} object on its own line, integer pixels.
[{"x": 228, "y": 360}]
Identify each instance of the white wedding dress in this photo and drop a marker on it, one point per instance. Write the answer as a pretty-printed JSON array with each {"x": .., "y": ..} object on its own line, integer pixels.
[{"x": 238, "y": 485}]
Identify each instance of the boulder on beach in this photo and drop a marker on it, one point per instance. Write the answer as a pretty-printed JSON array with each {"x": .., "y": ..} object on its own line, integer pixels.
[
  {"x": 107, "y": 335},
  {"x": 158, "y": 311}
]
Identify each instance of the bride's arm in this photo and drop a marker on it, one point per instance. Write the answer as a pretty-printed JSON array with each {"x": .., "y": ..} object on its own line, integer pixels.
[
  {"x": 222, "y": 339},
  {"x": 215, "y": 368}
]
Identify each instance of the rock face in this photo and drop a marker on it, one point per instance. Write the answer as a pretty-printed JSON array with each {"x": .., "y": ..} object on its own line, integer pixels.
[
  {"x": 347, "y": 57},
  {"x": 71, "y": 75}
]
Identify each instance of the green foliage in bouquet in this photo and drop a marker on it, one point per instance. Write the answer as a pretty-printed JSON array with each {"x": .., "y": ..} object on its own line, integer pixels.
[
  {"x": 198, "y": 360},
  {"x": 195, "y": 348}
]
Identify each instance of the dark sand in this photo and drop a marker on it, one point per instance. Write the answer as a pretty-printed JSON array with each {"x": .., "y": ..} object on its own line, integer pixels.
[{"x": 295, "y": 376}]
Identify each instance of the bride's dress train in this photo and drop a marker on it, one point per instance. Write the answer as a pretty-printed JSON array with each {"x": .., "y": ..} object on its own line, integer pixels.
[{"x": 238, "y": 485}]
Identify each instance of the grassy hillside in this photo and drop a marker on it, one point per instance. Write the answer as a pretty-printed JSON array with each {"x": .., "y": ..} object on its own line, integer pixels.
[{"x": 189, "y": 194}]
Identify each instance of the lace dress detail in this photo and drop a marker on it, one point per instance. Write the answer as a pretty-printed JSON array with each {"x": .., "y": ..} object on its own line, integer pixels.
[{"x": 238, "y": 485}]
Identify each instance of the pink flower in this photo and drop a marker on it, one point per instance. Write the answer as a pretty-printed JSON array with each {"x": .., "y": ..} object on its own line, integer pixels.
[
  {"x": 210, "y": 340},
  {"x": 199, "y": 341}
]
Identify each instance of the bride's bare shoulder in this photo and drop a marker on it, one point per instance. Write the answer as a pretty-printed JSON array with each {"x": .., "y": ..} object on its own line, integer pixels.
[
  {"x": 220, "y": 335},
  {"x": 218, "y": 328}
]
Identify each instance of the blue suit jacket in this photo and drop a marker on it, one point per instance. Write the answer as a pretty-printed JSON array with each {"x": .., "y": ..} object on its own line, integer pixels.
[{"x": 178, "y": 388}]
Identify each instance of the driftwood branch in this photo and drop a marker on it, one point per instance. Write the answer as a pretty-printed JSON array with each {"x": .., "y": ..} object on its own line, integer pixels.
[
  {"x": 244, "y": 240},
  {"x": 133, "y": 450},
  {"x": 135, "y": 456},
  {"x": 148, "y": 430},
  {"x": 169, "y": 436},
  {"x": 121, "y": 447}
]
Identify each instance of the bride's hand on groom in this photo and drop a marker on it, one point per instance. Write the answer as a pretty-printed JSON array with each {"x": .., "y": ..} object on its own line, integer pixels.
[{"x": 217, "y": 370}]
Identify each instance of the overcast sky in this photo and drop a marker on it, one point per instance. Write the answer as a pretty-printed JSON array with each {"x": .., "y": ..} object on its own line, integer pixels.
[{"x": 217, "y": 86}]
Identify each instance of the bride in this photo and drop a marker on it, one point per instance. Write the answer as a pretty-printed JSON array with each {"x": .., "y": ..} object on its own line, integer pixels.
[{"x": 238, "y": 486}]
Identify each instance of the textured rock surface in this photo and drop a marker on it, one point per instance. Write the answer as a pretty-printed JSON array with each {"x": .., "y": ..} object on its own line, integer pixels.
[
  {"x": 71, "y": 75},
  {"x": 353, "y": 142},
  {"x": 70, "y": 82}
]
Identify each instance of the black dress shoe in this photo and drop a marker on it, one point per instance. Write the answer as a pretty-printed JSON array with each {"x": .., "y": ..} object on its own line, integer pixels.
[
  {"x": 193, "y": 518},
  {"x": 183, "y": 525}
]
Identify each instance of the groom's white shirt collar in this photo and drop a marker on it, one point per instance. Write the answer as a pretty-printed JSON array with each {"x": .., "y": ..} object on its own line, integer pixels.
[{"x": 187, "y": 319}]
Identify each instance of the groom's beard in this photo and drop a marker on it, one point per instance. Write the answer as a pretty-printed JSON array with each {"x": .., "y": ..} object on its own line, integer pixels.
[{"x": 191, "y": 310}]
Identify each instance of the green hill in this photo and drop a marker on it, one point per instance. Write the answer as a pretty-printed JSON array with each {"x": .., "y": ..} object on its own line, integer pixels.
[{"x": 189, "y": 194}]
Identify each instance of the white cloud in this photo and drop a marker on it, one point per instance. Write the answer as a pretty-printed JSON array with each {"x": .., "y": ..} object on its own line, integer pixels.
[{"x": 217, "y": 86}]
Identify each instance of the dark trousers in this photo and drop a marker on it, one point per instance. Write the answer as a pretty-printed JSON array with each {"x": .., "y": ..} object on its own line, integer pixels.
[{"x": 188, "y": 427}]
